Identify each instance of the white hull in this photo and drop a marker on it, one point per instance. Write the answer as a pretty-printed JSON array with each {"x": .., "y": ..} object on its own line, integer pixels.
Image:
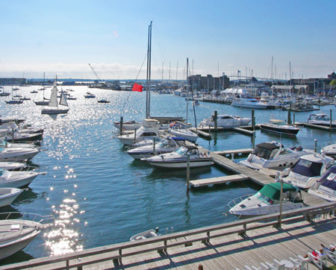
[
  {"x": 12, "y": 165},
  {"x": 18, "y": 157},
  {"x": 18, "y": 182},
  {"x": 182, "y": 165},
  {"x": 265, "y": 210},
  {"x": 8, "y": 195},
  {"x": 54, "y": 111}
]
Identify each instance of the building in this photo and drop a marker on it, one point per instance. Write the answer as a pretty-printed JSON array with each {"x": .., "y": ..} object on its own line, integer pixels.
[
  {"x": 208, "y": 83},
  {"x": 12, "y": 81}
]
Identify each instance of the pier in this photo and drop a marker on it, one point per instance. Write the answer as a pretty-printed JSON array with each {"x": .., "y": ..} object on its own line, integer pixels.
[{"x": 233, "y": 245}]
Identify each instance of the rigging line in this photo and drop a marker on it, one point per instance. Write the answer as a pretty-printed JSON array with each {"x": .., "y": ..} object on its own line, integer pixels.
[{"x": 136, "y": 78}]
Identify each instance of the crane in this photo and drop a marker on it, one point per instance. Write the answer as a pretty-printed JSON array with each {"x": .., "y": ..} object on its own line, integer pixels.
[{"x": 94, "y": 72}]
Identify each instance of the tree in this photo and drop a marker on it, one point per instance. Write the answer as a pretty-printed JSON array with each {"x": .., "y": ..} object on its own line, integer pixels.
[{"x": 333, "y": 83}]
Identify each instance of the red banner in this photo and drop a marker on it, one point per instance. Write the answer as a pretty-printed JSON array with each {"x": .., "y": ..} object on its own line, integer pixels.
[{"x": 137, "y": 87}]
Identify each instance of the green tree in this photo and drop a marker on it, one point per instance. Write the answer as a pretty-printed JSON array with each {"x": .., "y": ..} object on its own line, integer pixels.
[{"x": 333, "y": 83}]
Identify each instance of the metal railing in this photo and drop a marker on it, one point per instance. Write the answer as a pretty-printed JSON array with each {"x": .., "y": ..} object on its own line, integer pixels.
[{"x": 161, "y": 243}]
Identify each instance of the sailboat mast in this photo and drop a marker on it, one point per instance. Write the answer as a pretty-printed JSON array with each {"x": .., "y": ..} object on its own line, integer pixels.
[{"x": 148, "y": 77}]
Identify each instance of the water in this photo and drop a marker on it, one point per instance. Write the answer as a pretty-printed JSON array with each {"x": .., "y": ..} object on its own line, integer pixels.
[{"x": 99, "y": 195}]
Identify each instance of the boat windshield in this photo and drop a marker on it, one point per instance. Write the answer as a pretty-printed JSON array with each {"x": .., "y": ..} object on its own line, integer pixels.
[
  {"x": 307, "y": 168},
  {"x": 330, "y": 181},
  {"x": 262, "y": 152},
  {"x": 182, "y": 150}
]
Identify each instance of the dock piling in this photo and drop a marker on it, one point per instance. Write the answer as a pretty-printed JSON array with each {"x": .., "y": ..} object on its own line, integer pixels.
[
  {"x": 330, "y": 118},
  {"x": 154, "y": 146},
  {"x": 215, "y": 119},
  {"x": 253, "y": 119},
  {"x": 134, "y": 135},
  {"x": 188, "y": 173},
  {"x": 315, "y": 145},
  {"x": 121, "y": 124},
  {"x": 289, "y": 118}
]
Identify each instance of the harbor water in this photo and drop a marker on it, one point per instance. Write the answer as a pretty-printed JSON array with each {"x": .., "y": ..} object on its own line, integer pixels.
[{"x": 96, "y": 194}]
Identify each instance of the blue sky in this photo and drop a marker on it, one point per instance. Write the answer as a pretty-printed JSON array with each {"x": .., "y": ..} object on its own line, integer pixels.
[{"x": 63, "y": 36}]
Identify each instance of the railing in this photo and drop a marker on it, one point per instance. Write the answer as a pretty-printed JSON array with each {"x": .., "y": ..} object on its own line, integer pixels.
[{"x": 161, "y": 244}]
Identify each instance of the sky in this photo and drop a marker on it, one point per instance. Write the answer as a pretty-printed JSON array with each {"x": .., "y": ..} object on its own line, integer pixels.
[{"x": 218, "y": 36}]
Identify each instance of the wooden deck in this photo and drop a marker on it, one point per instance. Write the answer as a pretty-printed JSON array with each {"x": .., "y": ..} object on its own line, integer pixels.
[
  {"x": 319, "y": 127},
  {"x": 218, "y": 180},
  {"x": 201, "y": 133},
  {"x": 245, "y": 151}
]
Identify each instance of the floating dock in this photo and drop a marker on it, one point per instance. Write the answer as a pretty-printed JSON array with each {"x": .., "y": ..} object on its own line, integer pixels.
[{"x": 218, "y": 180}]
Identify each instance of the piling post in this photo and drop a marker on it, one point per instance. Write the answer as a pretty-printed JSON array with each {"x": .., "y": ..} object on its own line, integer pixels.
[
  {"x": 330, "y": 118},
  {"x": 293, "y": 118},
  {"x": 121, "y": 124},
  {"x": 154, "y": 146},
  {"x": 134, "y": 135},
  {"x": 215, "y": 120},
  {"x": 315, "y": 145},
  {"x": 188, "y": 173},
  {"x": 253, "y": 119},
  {"x": 289, "y": 118}
]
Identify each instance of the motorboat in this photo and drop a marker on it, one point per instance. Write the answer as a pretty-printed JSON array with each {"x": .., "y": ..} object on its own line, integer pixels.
[
  {"x": 273, "y": 155},
  {"x": 128, "y": 125},
  {"x": 103, "y": 100},
  {"x": 250, "y": 103},
  {"x": 16, "y": 179},
  {"x": 325, "y": 187},
  {"x": 12, "y": 165},
  {"x": 5, "y": 144},
  {"x": 180, "y": 130},
  {"x": 14, "y": 101},
  {"x": 11, "y": 119},
  {"x": 89, "y": 95},
  {"x": 148, "y": 130},
  {"x": 329, "y": 150},
  {"x": 267, "y": 201},
  {"x": 179, "y": 158},
  {"x": 23, "y": 137},
  {"x": 55, "y": 107},
  {"x": 308, "y": 169},
  {"x": 225, "y": 121},
  {"x": 321, "y": 119},
  {"x": 164, "y": 146},
  {"x": 16, "y": 234},
  {"x": 145, "y": 235},
  {"x": 10, "y": 127},
  {"x": 8, "y": 195},
  {"x": 279, "y": 127},
  {"x": 44, "y": 102},
  {"x": 17, "y": 154}
]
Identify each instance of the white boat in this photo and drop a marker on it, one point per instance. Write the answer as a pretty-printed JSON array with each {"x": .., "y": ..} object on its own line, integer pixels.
[
  {"x": 23, "y": 137},
  {"x": 8, "y": 195},
  {"x": 17, "y": 154},
  {"x": 250, "y": 103},
  {"x": 164, "y": 146},
  {"x": 225, "y": 121},
  {"x": 329, "y": 150},
  {"x": 325, "y": 187},
  {"x": 11, "y": 119},
  {"x": 179, "y": 158},
  {"x": 148, "y": 130},
  {"x": 4, "y": 143},
  {"x": 128, "y": 125},
  {"x": 54, "y": 107},
  {"x": 279, "y": 127},
  {"x": 180, "y": 130},
  {"x": 308, "y": 170},
  {"x": 321, "y": 119},
  {"x": 16, "y": 179},
  {"x": 145, "y": 235},
  {"x": 273, "y": 155},
  {"x": 267, "y": 201},
  {"x": 12, "y": 165},
  {"x": 16, "y": 234}
]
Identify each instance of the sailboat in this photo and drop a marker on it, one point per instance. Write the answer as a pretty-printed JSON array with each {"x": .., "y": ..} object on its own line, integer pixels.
[
  {"x": 54, "y": 107},
  {"x": 44, "y": 101}
]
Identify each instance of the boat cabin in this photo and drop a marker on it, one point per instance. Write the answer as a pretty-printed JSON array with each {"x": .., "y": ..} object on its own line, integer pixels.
[
  {"x": 309, "y": 166},
  {"x": 318, "y": 117},
  {"x": 271, "y": 193},
  {"x": 267, "y": 150}
]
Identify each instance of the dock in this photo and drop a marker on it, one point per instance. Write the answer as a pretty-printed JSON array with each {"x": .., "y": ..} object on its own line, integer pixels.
[
  {"x": 331, "y": 129},
  {"x": 201, "y": 133},
  {"x": 218, "y": 180},
  {"x": 235, "y": 152}
]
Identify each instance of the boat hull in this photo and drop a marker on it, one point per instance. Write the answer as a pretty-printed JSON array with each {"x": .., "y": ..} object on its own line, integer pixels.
[
  {"x": 8, "y": 198},
  {"x": 280, "y": 130},
  {"x": 182, "y": 164},
  {"x": 18, "y": 182}
]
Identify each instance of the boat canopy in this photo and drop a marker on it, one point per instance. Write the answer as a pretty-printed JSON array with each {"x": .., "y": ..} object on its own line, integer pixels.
[
  {"x": 264, "y": 150},
  {"x": 329, "y": 178},
  {"x": 272, "y": 191},
  {"x": 307, "y": 168}
]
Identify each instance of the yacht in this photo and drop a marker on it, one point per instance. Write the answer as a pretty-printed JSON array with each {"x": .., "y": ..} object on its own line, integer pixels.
[
  {"x": 308, "y": 169},
  {"x": 267, "y": 201},
  {"x": 129, "y": 125},
  {"x": 225, "y": 121},
  {"x": 329, "y": 150},
  {"x": 16, "y": 179},
  {"x": 273, "y": 155},
  {"x": 23, "y": 137},
  {"x": 164, "y": 146},
  {"x": 179, "y": 158},
  {"x": 55, "y": 107},
  {"x": 16, "y": 234},
  {"x": 148, "y": 130},
  {"x": 12, "y": 165},
  {"x": 321, "y": 119},
  {"x": 279, "y": 127},
  {"x": 8, "y": 195},
  {"x": 17, "y": 154},
  {"x": 250, "y": 103},
  {"x": 179, "y": 129},
  {"x": 325, "y": 188}
]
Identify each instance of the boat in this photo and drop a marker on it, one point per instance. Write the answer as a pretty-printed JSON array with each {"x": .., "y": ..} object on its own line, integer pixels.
[
  {"x": 14, "y": 101},
  {"x": 325, "y": 187},
  {"x": 250, "y": 103},
  {"x": 16, "y": 179},
  {"x": 23, "y": 137},
  {"x": 8, "y": 195},
  {"x": 128, "y": 125},
  {"x": 179, "y": 158},
  {"x": 103, "y": 100},
  {"x": 273, "y": 155},
  {"x": 308, "y": 169},
  {"x": 5, "y": 144},
  {"x": 16, "y": 234},
  {"x": 164, "y": 146},
  {"x": 17, "y": 154},
  {"x": 148, "y": 130},
  {"x": 89, "y": 95},
  {"x": 11, "y": 119},
  {"x": 225, "y": 121},
  {"x": 329, "y": 150},
  {"x": 34, "y": 92},
  {"x": 267, "y": 201},
  {"x": 44, "y": 102},
  {"x": 54, "y": 107},
  {"x": 321, "y": 119},
  {"x": 3, "y": 93},
  {"x": 145, "y": 235},
  {"x": 12, "y": 165},
  {"x": 279, "y": 127},
  {"x": 181, "y": 130}
]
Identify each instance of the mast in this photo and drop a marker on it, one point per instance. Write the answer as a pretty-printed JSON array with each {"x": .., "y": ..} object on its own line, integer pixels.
[{"x": 148, "y": 77}]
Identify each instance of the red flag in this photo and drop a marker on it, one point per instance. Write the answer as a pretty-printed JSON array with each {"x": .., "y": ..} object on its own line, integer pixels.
[{"x": 137, "y": 87}]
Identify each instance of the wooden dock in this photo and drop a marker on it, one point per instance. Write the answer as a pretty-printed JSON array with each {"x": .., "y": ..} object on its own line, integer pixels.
[
  {"x": 244, "y": 131},
  {"x": 201, "y": 133},
  {"x": 307, "y": 125},
  {"x": 235, "y": 152},
  {"x": 218, "y": 180},
  {"x": 234, "y": 245}
]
